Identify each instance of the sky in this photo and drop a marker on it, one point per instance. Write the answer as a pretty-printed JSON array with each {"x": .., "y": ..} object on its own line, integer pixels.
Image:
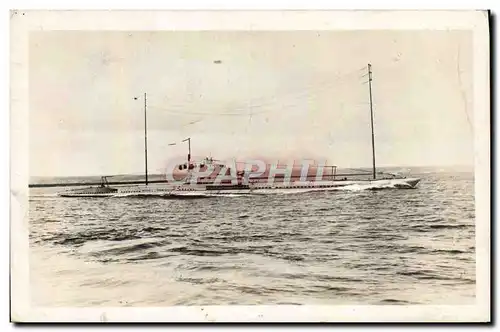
[{"x": 268, "y": 95}]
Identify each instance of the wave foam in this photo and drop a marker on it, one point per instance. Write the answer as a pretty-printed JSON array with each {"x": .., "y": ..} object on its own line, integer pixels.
[{"x": 374, "y": 186}]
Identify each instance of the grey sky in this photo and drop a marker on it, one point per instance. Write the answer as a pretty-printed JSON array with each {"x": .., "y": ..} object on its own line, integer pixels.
[{"x": 304, "y": 90}]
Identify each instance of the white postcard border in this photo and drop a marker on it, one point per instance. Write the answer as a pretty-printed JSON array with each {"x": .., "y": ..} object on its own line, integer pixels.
[{"x": 22, "y": 22}]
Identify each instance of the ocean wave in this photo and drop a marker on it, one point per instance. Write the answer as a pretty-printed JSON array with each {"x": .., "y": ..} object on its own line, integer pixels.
[
  {"x": 200, "y": 252},
  {"x": 125, "y": 249},
  {"x": 344, "y": 245},
  {"x": 395, "y": 301},
  {"x": 434, "y": 275}
]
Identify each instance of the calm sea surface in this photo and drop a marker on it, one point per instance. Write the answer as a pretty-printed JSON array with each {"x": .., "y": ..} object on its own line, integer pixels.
[{"x": 353, "y": 246}]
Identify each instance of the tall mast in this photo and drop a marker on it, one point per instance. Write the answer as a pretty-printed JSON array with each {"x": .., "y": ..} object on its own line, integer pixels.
[
  {"x": 189, "y": 149},
  {"x": 145, "y": 139},
  {"x": 371, "y": 119}
]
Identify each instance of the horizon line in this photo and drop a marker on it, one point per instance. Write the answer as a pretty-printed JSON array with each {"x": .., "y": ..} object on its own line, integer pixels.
[{"x": 163, "y": 173}]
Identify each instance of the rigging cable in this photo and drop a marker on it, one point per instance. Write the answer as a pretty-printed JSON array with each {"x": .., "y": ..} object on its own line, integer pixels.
[{"x": 265, "y": 101}]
